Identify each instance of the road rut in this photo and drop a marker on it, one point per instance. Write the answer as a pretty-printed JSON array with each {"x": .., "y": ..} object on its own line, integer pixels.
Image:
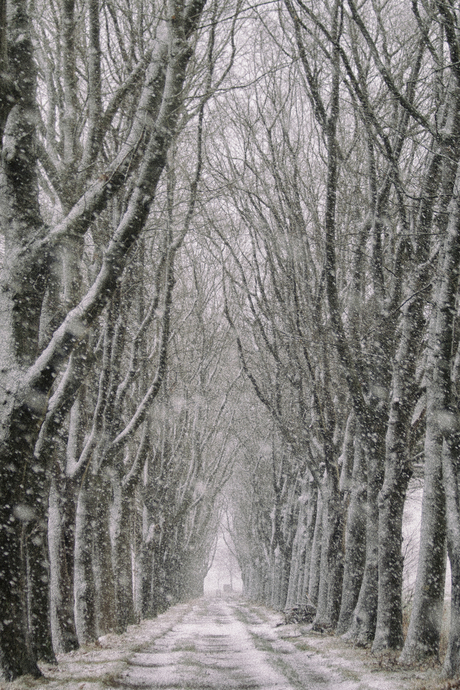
[{"x": 224, "y": 644}]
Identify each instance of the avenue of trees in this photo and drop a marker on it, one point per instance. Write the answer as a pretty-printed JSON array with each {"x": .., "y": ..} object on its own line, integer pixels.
[
  {"x": 230, "y": 280},
  {"x": 106, "y": 505}
]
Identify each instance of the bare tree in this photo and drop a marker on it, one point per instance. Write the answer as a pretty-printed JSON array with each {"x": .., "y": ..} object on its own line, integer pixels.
[{"x": 126, "y": 166}]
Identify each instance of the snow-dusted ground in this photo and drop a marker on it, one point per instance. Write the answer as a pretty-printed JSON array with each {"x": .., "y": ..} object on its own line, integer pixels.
[{"x": 218, "y": 644}]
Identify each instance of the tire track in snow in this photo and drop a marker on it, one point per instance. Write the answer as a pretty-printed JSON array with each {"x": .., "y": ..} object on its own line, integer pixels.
[{"x": 223, "y": 645}]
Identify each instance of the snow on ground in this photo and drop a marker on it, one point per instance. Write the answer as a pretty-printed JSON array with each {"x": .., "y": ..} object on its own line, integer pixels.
[{"x": 221, "y": 644}]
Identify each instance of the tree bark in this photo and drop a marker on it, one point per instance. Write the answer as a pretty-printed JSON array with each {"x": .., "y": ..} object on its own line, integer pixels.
[
  {"x": 22, "y": 483},
  {"x": 315, "y": 560},
  {"x": 106, "y": 616},
  {"x": 84, "y": 585},
  {"x": 39, "y": 594},
  {"x": 362, "y": 629},
  {"x": 389, "y": 631},
  {"x": 355, "y": 541},
  {"x": 124, "y": 600},
  {"x": 442, "y": 410},
  {"x": 451, "y": 474},
  {"x": 331, "y": 566},
  {"x": 304, "y": 582},
  {"x": 61, "y": 538},
  {"x": 424, "y": 632}
]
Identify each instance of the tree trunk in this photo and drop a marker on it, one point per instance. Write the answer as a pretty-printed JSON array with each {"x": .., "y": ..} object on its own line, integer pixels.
[
  {"x": 22, "y": 492},
  {"x": 147, "y": 567},
  {"x": 315, "y": 562},
  {"x": 21, "y": 487},
  {"x": 39, "y": 594},
  {"x": 16, "y": 655},
  {"x": 331, "y": 565},
  {"x": 103, "y": 568},
  {"x": 84, "y": 587},
  {"x": 308, "y": 545},
  {"x": 362, "y": 629},
  {"x": 389, "y": 632},
  {"x": 298, "y": 547},
  {"x": 138, "y": 562},
  {"x": 61, "y": 539},
  {"x": 424, "y": 631},
  {"x": 122, "y": 566},
  {"x": 451, "y": 474},
  {"x": 355, "y": 541},
  {"x": 335, "y": 549},
  {"x": 442, "y": 409}
]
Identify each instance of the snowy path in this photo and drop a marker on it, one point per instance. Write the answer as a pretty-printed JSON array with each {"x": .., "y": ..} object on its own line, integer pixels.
[
  {"x": 223, "y": 644},
  {"x": 219, "y": 644},
  {"x": 209, "y": 649}
]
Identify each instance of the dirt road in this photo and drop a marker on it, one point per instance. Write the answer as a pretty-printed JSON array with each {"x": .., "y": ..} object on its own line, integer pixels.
[{"x": 222, "y": 644}]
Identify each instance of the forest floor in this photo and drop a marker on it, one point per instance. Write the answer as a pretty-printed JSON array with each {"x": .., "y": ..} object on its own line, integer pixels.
[{"x": 225, "y": 644}]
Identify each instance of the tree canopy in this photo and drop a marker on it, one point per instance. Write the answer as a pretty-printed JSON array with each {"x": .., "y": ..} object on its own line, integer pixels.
[{"x": 229, "y": 292}]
